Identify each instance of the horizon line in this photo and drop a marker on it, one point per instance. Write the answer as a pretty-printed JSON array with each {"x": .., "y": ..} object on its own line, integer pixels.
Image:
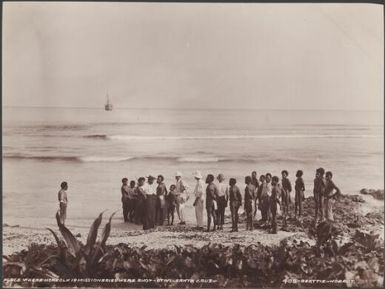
[{"x": 185, "y": 108}]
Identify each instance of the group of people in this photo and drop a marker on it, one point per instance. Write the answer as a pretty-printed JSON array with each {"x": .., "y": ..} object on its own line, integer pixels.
[{"x": 151, "y": 204}]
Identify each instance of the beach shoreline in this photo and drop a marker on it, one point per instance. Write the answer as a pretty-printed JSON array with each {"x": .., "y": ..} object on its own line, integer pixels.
[
  {"x": 352, "y": 250},
  {"x": 17, "y": 238}
]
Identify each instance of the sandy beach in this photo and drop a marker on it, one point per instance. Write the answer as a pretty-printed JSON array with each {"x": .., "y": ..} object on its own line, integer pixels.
[
  {"x": 17, "y": 238},
  {"x": 229, "y": 259}
]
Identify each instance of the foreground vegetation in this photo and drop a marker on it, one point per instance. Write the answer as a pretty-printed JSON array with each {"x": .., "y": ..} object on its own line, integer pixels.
[{"x": 341, "y": 251}]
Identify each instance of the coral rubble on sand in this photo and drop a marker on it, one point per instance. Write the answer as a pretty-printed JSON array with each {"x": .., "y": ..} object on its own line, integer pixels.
[
  {"x": 348, "y": 249},
  {"x": 377, "y": 194}
]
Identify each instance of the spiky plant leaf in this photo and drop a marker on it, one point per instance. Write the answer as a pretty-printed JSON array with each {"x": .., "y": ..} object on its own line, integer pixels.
[
  {"x": 106, "y": 231},
  {"x": 56, "y": 237},
  {"x": 93, "y": 258},
  {"x": 61, "y": 251},
  {"x": 92, "y": 235},
  {"x": 73, "y": 245},
  {"x": 43, "y": 272}
]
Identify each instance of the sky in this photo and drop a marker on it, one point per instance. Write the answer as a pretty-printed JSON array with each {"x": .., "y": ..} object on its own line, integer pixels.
[{"x": 194, "y": 55}]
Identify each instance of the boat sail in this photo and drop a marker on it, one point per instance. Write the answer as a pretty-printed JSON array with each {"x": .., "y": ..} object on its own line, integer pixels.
[{"x": 108, "y": 105}]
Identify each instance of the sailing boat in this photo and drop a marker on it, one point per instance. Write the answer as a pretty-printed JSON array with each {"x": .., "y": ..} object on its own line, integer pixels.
[{"x": 108, "y": 105}]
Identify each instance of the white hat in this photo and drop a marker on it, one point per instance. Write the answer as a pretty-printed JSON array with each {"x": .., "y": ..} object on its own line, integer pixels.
[
  {"x": 197, "y": 175},
  {"x": 178, "y": 174}
]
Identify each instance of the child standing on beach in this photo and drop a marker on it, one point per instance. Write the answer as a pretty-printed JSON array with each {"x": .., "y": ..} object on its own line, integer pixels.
[
  {"x": 182, "y": 199},
  {"x": 274, "y": 200},
  {"x": 249, "y": 197},
  {"x": 254, "y": 179},
  {"x": 171, "y": 203},
  {"x": 286, "y": 190},
  {"x": 299, "y": 194}
]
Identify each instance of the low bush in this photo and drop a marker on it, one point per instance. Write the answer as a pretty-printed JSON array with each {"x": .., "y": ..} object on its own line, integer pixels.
[{"x": 360, "y": 259}]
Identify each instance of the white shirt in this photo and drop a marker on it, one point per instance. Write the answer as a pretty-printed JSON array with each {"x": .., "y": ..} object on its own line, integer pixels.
[
  {"x": 180, "y": 187},
  {"x": 62, "y": 196},
  {"x": 149, "y": 189},
  {"x": 199, "y": 188},
  {"x": 223, "y": 189}
]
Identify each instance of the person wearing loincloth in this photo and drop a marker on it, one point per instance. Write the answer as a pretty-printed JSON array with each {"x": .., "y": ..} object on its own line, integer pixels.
[
  {"x": 235, "y": 198},
  {"x": 63, "y": 201},
  {"x": 161, "y": 192},
  {"x": 276, "y": 191},
  {"x": 139, "y": 207},
  {"x": 255, "y": 182},
  {"x": 329, "y": 196},
  {"x": 318, "y": 191},
  {"x": 249, "y": 197},
  {"x": 211, "y": 197},
  {"x": 125, "y": 199},
  {"x": 171, "y": 204},
  {"x": 299, "y": 194},
  {"x": 286, "y": 197},
  {"x": 223, "y": 196},
  {"x": 132, "y": 199}
]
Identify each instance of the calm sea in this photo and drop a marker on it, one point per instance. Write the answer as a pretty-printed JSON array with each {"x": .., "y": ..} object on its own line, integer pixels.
[{"x": 93, "y": 150}]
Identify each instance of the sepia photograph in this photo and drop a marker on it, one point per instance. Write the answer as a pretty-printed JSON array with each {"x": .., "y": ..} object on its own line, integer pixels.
[{"x": 192, "y": 145}]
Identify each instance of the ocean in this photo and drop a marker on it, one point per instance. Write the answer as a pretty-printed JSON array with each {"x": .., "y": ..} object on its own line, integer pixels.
[{"x": 93, "y": 150}]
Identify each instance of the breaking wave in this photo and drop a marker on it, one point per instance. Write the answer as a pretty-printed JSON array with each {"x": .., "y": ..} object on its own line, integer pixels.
[
  {"x": 224, "y": 137},
  {"x": 87, "y": 159},
  {"x": 41, "y": 158},
  {"x": 69, "y": 158},
  {"x": 96, "y": 136},
  {"x": 105, "y": 159},
  {"x": 154, "y": 158}
]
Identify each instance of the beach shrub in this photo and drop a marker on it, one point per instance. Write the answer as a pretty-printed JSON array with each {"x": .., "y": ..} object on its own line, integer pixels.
[
  {"x": 80, "y": 260},
  {"x": 239, "y": 266},
  {"x": 70, "y": 259},
  {"x": 359, "y": 258},
  {"x": 29, "y": 263}
]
